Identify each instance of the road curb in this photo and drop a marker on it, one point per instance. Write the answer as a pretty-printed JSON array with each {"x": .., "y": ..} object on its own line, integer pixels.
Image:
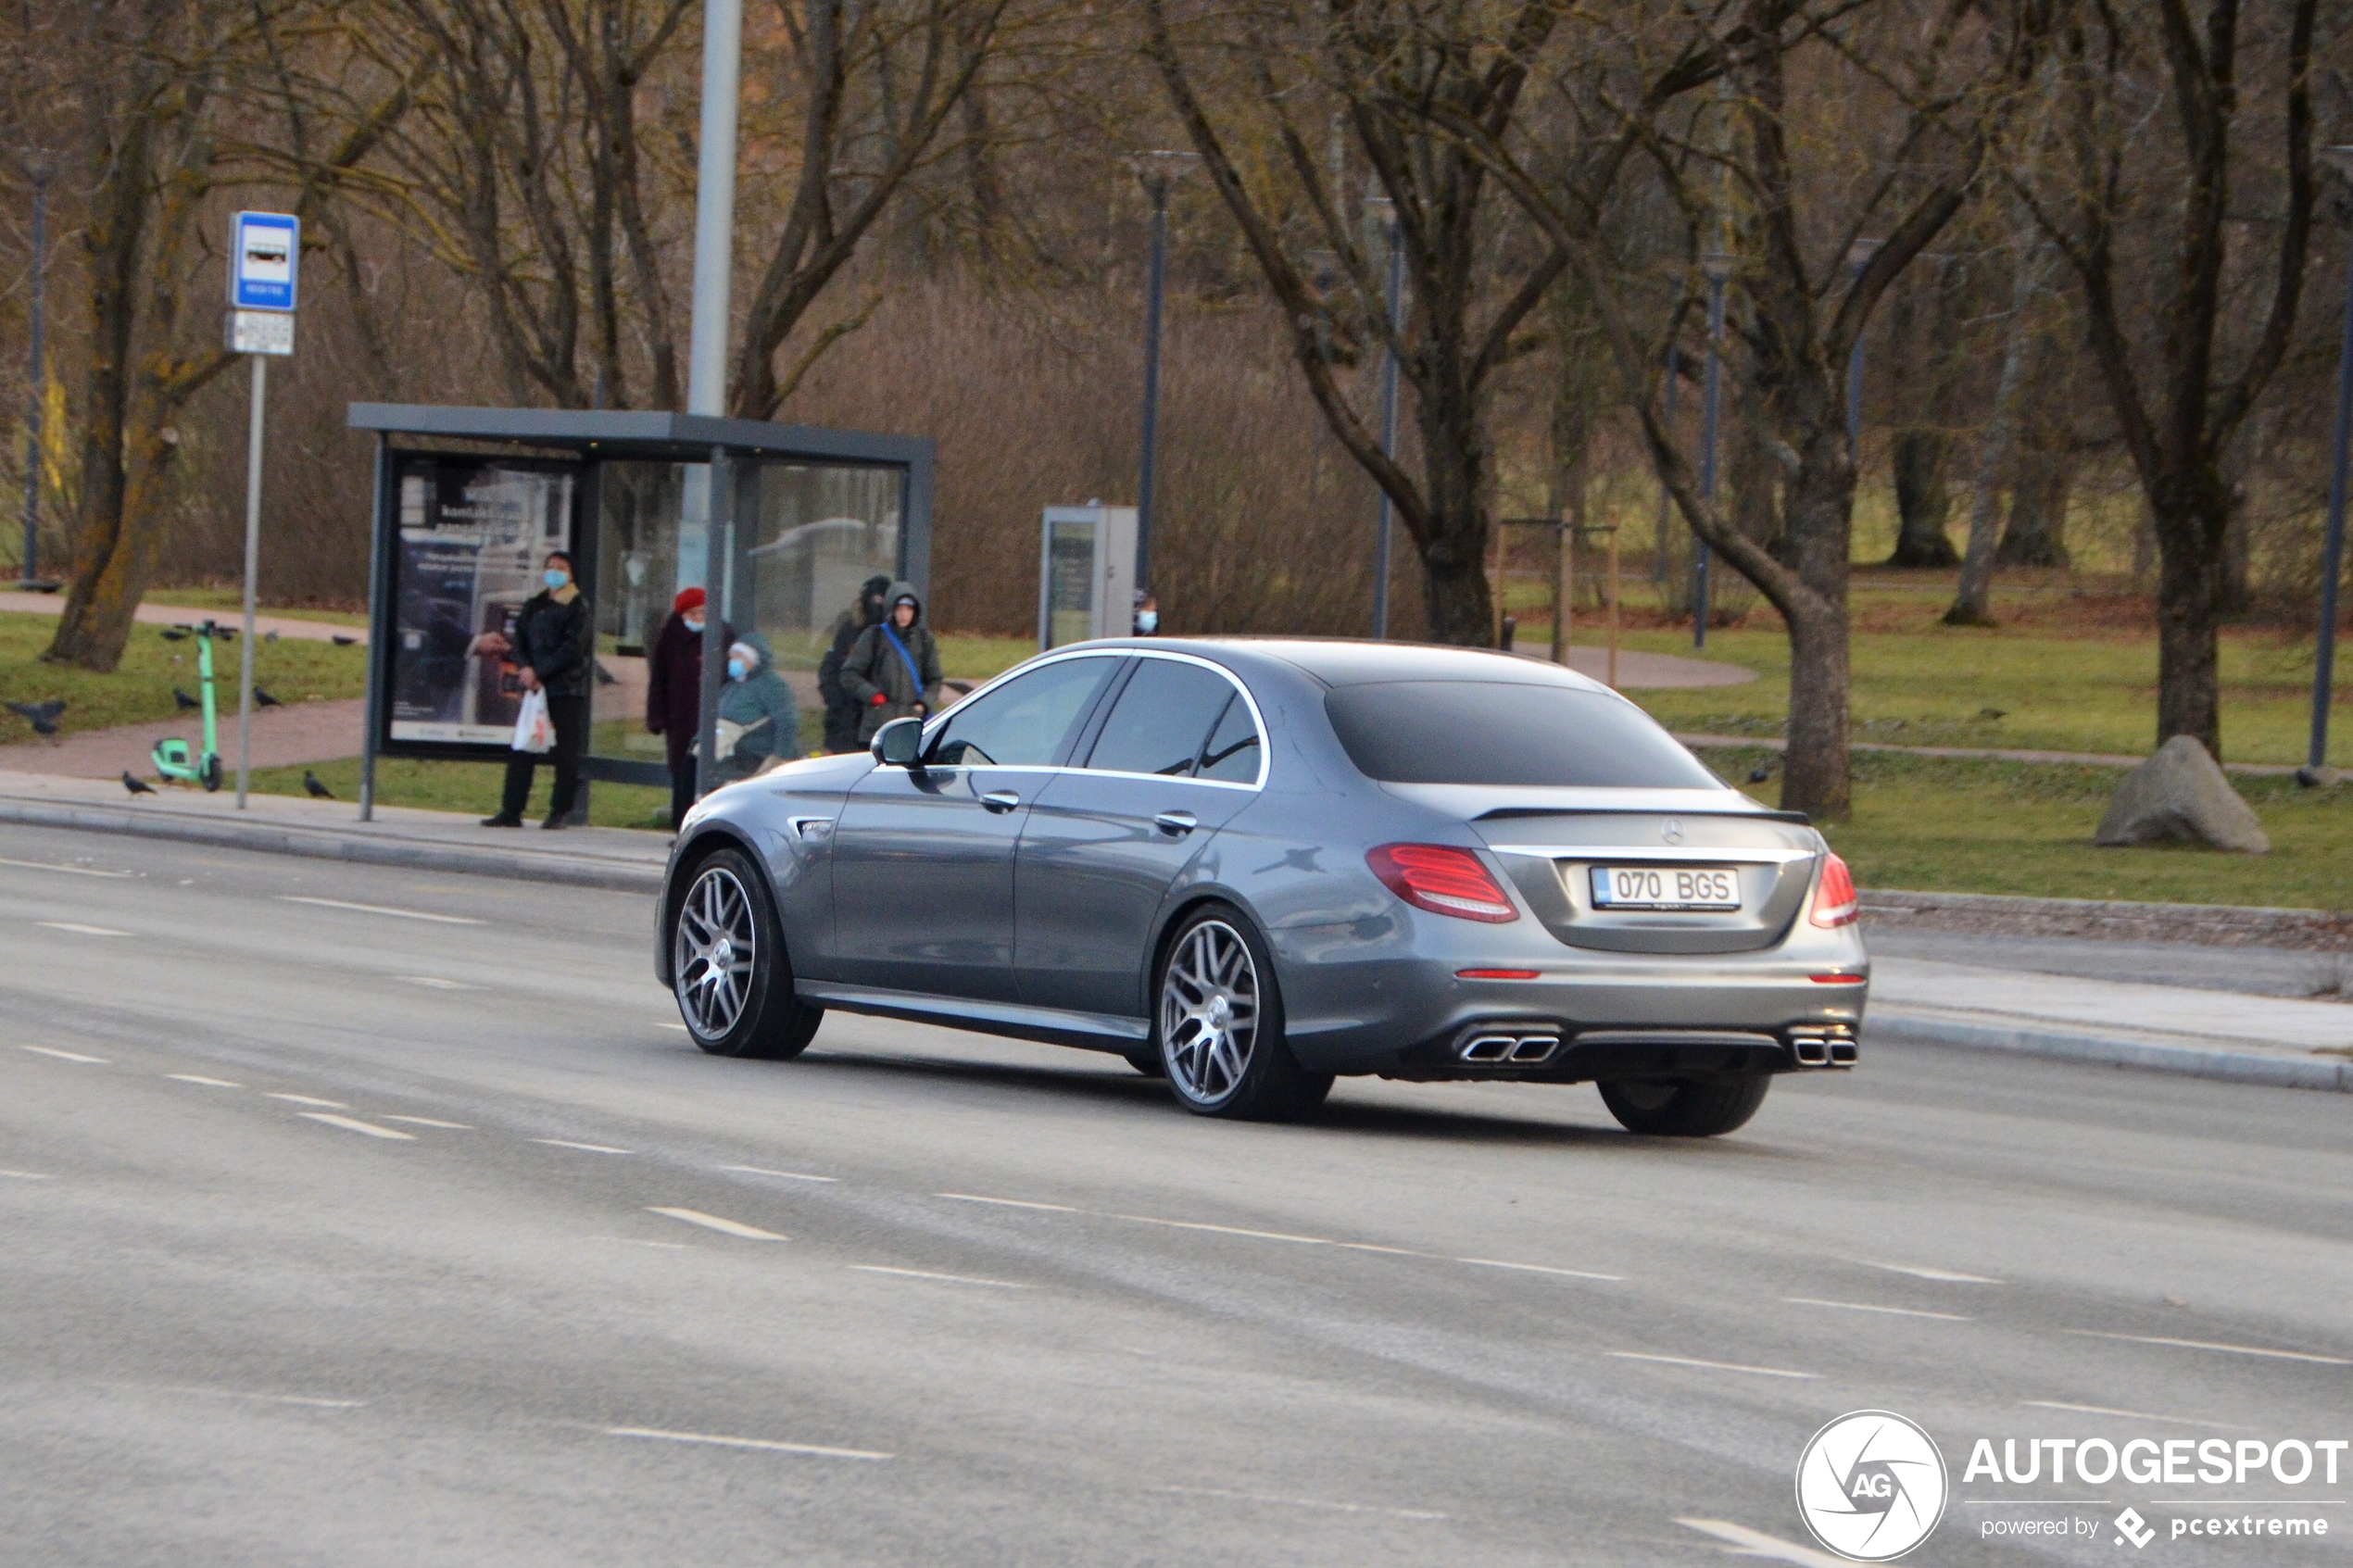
[
  {"x": 2274, "y": 1069},
  {"x": 326, "y": 844}
]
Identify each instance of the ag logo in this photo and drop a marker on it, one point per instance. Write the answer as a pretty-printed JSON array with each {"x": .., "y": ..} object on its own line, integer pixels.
[{"x": 1871, "y": 1486}]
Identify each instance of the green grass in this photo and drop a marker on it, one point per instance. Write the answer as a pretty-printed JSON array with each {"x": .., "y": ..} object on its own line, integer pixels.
[
  {"x": 1968, "y": 825},
  {"x": 140, "y": 688},
  {"x": 1933, "y": 687},
  {"x": 469, "y": 788}
]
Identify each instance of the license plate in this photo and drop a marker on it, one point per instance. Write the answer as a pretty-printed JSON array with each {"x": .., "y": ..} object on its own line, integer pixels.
[{"x": 1666, "y": 888}]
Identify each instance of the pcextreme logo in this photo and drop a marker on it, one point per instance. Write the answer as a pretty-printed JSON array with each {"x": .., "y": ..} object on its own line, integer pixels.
[{"x": 1871, "y": 1486}]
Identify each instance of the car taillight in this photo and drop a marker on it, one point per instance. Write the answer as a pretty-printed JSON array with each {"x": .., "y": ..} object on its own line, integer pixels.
[
  {"x": 1442, "y": 879},
  {"x": 1834, "y": 895}
]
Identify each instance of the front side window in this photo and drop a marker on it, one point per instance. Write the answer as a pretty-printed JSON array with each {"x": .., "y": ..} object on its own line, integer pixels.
[
  {"x": 1023, "y": 724},
  {"x": 1161, "y": 719}
]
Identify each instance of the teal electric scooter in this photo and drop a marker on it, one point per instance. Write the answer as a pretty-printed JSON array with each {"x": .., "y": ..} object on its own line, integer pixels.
[{"x": 170, "y": 757}]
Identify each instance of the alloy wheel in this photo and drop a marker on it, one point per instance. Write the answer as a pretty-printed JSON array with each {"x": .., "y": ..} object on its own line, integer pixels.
[
  {"x": 1209, "y": 1011},
  {"x": 715, "y": 947}
]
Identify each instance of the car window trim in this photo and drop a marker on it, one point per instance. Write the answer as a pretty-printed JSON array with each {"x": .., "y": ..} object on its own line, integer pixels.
[
  {"x": 937, "y": 721},
  {"x": 1257, "y": 719}
]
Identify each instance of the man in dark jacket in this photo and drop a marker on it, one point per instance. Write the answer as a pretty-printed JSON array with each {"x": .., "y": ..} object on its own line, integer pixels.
[
  {"x": 841, "y": 709},
  {"x": 893, "y": 669},
  {"x": 673, "y": 694},
  {"x": 553, "y": 650}
]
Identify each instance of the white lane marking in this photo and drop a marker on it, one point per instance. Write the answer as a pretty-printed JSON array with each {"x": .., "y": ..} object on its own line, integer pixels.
[
  {"x": 591, "y": 1148},
  {"x": 1009, "y": 1202},
  {"x": 1226, "y": 1230},
  {"x": 789, "y": 1175},
  {"x": 762, "y": 1444},
  {"x": 65, "y": 1055},
  {"x": 713, "y": 1223},
  {"x": 680, "y": 1027},
  {"x": 23, "y": 1175},
  {"x": 79, "y": 929},
  {"x": 1868, "y": 1307},
  {"x": 381, "y": 909},
  {"x": 633, "y": 1241},
  {"x": 309, "y": 1099},
  {"x": 1943, "y": 1276},
  {"x": 308, "y": 1401},
  {"x": 348, "y": 1125},
  {"x": 1755, "y": 1543},
  {"x": 1298, "y": 1502},
  {"x": 429, "y": 1121},
  {"x": 437, "y": 984},
  {"x": 2211, "y": 1345},
  {"x": 926, "y": 1274},
  {"x": 2128, "y": 1416},
  {"x": 199, "y": 1078},
  {"x": 1712, "y": 1366},
  {"x": 70, "y": 870},
  {"x": 1536, "y": 1269}
]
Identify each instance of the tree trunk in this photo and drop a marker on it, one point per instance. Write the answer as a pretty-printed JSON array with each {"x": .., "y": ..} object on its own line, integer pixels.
[
  {"x": 1923, "y": 502},
  {"x": 2036, "y": 533},
  {"x": 1818, "y": 777},
  {"x": 2189, "y": 596},
  {"x": 1972, "y": 602}
]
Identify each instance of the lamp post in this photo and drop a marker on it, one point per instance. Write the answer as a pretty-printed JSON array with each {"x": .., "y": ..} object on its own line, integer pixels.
[
  {"x": 1385, "y": 210},
  {"x": 2332, "y": 543},
  {"x": 706, "y": 498},
  {"x": 40, "y": 167},
  {"x": 1158, "y": 171},
  {"x": 1858, "y": 256},
  {"x": 1674, "y": 374},
  {"x": 1719, "y": 269}
]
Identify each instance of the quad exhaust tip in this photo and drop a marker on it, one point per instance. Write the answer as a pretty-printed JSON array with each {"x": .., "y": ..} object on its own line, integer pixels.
[{"x": 1829, "y": 1045}]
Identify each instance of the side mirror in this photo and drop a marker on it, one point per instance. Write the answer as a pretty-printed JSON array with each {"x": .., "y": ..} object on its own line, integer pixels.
[{"x": 896, "y": 744}]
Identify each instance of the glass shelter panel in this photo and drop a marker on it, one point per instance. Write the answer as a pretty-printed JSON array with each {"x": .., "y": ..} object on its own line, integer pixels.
[
  {"x": 1070, "y": 580},
  {"x": 817, "y": 531},
  {"x": 638, "y": 572}
]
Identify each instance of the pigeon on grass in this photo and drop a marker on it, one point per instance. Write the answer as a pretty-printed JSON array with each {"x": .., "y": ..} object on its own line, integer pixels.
[{"x": 42, "y": 715}]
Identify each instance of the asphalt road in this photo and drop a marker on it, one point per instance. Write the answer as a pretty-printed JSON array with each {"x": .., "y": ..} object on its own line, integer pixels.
[{"x": 356, "y": 1216}]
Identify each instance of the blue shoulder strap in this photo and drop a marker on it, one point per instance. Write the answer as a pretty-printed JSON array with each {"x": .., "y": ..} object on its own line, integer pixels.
[{"x": 906, "y": 659}]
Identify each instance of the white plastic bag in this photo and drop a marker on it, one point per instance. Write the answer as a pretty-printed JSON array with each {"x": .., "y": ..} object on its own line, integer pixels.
[{"x": 535, "y": 732}]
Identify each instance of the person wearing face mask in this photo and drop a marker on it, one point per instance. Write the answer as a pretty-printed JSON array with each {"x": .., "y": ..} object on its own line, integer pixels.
[
  {"x": 841, "y": 709},
  {"x": 673, "y": 694},
  {"x": 893, "y": 669},
  {"x": 1146, "y": 615},
  {"x": 759, "y": 705},
  {"x": 553, "y": 650}
]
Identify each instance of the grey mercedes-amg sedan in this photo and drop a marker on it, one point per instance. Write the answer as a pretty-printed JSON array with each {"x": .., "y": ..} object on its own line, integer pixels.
[{"x": 1249, "y": 865}]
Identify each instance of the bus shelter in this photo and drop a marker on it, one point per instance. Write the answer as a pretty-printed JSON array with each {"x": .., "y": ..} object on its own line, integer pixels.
[{"x": 468, "y": 501}]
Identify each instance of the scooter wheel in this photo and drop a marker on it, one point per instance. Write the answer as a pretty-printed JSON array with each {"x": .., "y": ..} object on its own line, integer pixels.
[{"x": 211, "y": 774}]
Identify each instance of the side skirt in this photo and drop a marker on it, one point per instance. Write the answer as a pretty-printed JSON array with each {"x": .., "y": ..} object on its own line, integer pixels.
[{"x": 1053, "y": 1026}]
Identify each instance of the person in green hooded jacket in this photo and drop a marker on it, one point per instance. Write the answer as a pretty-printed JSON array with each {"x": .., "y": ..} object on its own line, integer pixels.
[
  {"x": 893, "y": 669},
  {"x": 757, "y": 698}
]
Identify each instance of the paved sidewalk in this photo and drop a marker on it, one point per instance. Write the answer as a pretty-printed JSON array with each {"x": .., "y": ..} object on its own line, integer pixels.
[
  {"x": 294, "y": 731},
  {"x": 614, "y": 858}
]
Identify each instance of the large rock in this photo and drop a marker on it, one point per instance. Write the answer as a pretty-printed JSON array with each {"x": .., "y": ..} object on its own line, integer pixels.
[{"x": 2181, "y": 796}]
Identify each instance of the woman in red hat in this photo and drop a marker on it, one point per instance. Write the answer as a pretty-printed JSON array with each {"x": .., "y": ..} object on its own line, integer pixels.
[{"x": 673, "y": 693}]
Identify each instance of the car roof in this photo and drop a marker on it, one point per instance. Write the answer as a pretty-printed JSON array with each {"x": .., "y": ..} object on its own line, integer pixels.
[{"x": 1349, "y": 662}]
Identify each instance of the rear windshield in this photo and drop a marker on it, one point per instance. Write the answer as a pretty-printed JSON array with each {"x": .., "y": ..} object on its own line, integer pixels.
[{"x": 1496, "y": 733}]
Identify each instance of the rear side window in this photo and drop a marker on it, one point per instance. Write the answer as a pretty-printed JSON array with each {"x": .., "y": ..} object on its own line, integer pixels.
[
  {"x": 1234, "y": 747},
  {"x": 1162, "y": 718},
  {"x": 1497, "y": 732},
  {"x": 1025, "y": 723}
]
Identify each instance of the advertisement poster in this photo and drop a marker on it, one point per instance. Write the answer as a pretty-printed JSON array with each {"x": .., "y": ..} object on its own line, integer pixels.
[{"x": 472, "y": 538}]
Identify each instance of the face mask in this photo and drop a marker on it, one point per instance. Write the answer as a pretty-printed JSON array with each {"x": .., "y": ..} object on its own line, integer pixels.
[
  {"x": 694, "y": 625},
  {"x": 555, "y": 577},
  {"x": 1147, "y": 620},
  {"x": 735, "y": 669}
]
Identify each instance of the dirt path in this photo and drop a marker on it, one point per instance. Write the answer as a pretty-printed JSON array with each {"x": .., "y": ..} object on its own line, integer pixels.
[{"x": 179, "y": 615}]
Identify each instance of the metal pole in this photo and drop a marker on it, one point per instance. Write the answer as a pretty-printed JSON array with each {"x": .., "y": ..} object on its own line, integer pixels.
[
  {"x": 722, "y": 30},
  {"x": 253, "y": 568},
  {"x": 2331, "y": 550},
  {"x": 379, "y": 629},
  {"x": 1710, "y": 399},
  {"x": 34, "y": 382},
  {"x": 714, "y": 613},
  {"x": 1388, "y": 432},
  {"x": 1155, "y": 287}
]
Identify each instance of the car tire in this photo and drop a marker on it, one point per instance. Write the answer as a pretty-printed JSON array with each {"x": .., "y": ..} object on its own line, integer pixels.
[
  {"x": 1685, "y": 1108},
  {"x": 1148, "y": 1062},
  {"x": 1218, "y": 1023},
  {"x": 736, "y": 1004}
]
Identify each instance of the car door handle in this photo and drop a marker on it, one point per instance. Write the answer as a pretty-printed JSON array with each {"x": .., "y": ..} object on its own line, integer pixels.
[
  {"x": 1176, "y": 824},
  {"x": 1000, "y": 800}
]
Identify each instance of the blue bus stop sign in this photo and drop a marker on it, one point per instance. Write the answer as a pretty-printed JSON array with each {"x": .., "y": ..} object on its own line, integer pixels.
[{"x": 265, "y": 252}]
